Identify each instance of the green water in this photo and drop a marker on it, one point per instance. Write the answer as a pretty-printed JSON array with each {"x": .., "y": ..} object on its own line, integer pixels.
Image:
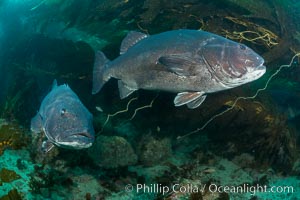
[{"x": 137, "y": 153}]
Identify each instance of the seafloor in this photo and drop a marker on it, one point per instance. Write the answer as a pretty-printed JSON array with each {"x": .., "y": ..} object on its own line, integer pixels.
[{"x": 142, "y": 140}]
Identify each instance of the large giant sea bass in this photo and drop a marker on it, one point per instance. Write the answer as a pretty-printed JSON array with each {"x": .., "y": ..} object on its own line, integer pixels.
[{"x": 190, "y": 63}]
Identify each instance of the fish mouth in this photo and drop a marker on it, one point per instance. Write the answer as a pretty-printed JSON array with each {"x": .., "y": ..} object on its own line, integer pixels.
[
  {"x": 251, "y": 73},
  {"x": 259, "y": 69},
  {"x": 77, "y": 140},
  {"x": 73, "y": 139},
  {"x": 84, "y": 134},
  {"x": 258, "y": 65}
]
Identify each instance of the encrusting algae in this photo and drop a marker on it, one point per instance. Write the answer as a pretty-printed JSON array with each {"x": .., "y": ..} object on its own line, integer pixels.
[
  {"x": 12, "y": 195},
  {"x": 12, "y": 136},
  {"x": 7, "y": 175}
]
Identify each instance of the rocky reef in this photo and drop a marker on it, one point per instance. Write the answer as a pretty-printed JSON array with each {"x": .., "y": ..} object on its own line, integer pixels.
[
  {"x": 153, "y": 151},
  {"x": 112, "y": 152}
]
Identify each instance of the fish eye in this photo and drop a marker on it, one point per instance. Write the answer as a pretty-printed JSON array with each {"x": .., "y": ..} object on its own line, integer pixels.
[
  {"x": 242, "y": 47},
  {"x": 63, "y": 111}
]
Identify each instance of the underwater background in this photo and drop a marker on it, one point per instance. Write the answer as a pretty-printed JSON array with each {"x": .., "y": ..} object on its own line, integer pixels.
[{"x": 140, "y": 140}]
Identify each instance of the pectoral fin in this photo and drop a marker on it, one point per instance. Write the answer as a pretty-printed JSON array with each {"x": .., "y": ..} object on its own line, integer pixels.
[
  {"x": 36, "y": 123},
  {"x": 189, "y": 97},
  {"x": 179, "y": 64},
  {"x": 124, "y": 90},
  {"x": 197, "y": 102},
  {"x": 47, "y": 146}
]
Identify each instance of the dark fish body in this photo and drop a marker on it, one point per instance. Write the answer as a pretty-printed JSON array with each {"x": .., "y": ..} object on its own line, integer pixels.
[
  {"x": 188, "y": 62},
  {"x": 65, "y": 121}
]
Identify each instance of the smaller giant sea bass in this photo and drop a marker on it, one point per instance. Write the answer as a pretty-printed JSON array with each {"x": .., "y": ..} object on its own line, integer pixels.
[{"x": 65, "y": 121}]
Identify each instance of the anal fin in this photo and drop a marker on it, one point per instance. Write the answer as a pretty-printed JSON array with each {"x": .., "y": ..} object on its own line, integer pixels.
[{"x": 124, "y": 90}]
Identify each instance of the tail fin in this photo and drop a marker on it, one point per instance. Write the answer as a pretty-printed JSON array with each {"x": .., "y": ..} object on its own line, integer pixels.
[{"x": 98, "y": 72}]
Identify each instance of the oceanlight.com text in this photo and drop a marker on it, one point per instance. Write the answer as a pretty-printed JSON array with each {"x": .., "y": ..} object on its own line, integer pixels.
[{"x": 213, "y": 188}]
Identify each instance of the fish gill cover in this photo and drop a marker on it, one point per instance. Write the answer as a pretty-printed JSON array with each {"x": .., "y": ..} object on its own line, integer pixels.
[{"x": 254, "y": 142}]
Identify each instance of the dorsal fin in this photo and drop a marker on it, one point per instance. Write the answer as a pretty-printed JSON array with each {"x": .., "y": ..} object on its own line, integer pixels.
[
  {"x": 54, "y": 84},
  {"x": 130, "y": 40}
]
